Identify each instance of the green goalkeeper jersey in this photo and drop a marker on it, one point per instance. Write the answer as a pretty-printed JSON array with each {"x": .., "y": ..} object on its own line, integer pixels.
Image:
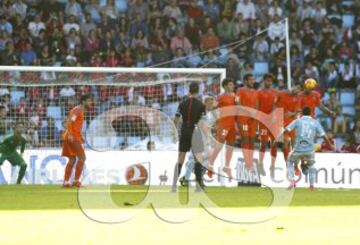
[{"x": 11, "y": 143}]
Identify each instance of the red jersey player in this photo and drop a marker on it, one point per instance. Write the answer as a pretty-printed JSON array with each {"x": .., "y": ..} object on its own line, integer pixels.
[
  {"x": 225, "y": 126},
  {"x": 247, "y": 123},
  {"x": 73, "y": 140},
  {"x": 290, "y": 102},
  {"x": 267, "y": 98}
]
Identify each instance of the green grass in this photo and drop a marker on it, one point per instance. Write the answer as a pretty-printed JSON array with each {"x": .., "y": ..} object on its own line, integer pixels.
[{"x": 42, "y": 197}]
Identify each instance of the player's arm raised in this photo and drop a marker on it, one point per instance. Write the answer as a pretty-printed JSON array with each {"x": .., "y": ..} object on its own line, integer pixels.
[{"x": 325, "y": 109}]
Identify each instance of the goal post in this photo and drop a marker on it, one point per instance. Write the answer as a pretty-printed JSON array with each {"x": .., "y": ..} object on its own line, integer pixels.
[{"x": 41, "y": 97}]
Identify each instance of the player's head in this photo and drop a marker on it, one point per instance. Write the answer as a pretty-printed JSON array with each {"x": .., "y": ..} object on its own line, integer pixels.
[
  {"x": 249, "y": 80},
  {"x": 306, "y": 111},
  {"x": 209, "y": 102},
  {"x": 86, "y": 100},
  {"x": 228, "y": 85},
  {"x": 194, "y": 88},
  {"x": 19, "y": 127},
  {"x": 268, "y": 80}
]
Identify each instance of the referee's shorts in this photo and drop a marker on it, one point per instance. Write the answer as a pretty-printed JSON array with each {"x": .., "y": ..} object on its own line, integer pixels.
[{"x": 191, "y": 139}]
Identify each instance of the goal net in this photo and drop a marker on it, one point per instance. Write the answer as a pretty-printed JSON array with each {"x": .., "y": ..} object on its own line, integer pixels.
[{"x": 133, "y": 107}]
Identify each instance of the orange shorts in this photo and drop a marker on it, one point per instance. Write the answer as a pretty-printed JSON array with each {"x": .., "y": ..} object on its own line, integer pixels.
[
  {"x": 247, "y": 127},
  {"x": 225, "y": 134},
  {"x": 265, "y": 134},
  {"x": 74, "y": 149}
]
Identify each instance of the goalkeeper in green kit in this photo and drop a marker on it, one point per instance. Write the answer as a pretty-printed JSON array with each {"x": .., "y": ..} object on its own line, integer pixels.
[{"x": 8, "y": 150}]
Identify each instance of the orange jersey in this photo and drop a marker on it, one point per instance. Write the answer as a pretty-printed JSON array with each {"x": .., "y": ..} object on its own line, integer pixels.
[
  {"x": 248, "y": 97},
  {"x": 225, "y": 100},
  {"x": 290, "y": 103},
  {"x": 312, "y": 100},
  {"x": 74, "y": 123},
  {"x": 266, "y": 100}
]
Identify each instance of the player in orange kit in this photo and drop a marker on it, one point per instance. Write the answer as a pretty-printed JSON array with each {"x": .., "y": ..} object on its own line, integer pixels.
[
  {"x": 267, "y": 98},
  {"x": 247, "y": 123},
  {"x": 225, "y": 127},
  {"x": 73, "y": 140},
  {"x": 290, "y": 102}
]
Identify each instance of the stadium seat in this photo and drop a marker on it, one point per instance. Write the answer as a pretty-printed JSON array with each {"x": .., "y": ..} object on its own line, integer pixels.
[
  {"x": 347, "y": 98},
  {"x": 59, "y": 124},
  {"x": 348, "y": 20},
  {"x": 348, "y": 110},
  {"x": 54, "y": 112},
  {"x": 16, "y": 96}
]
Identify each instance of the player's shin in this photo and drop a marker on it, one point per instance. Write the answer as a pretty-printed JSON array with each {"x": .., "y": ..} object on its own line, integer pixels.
[
  {"x": 273, "y": 153},
  {"x": 312, "y": 175},
  {"x": 177, "y": 171},
  {"x": 262, "y": 152},
  {"x": 198, "y": 175},
  {"x": 79, "y": 169},
  {"x": 68, "y": 171},
  {"x": 21, "y": 173},
  {"x": 189, "y": 169},
  {"x": 291, "y": 174}
]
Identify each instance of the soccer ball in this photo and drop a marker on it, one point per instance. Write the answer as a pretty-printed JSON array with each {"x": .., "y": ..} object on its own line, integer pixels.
[{"x": 310, "y": 84}]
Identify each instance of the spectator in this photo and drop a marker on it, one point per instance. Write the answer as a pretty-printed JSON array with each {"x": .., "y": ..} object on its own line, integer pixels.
[
  {"x": 180, "y": 42},
  {"x": 194, "y": 11},
  {"x": 173, "y": 11},
  {"x": 306, "y": 11},
  {"x": 127, "y": 60},
  {"x": 210, "y": 59},
  {"x": 295, "y": 56},
  {"x": 319, "y": 13},
  {"x": 93, "y": 9},
  {"x": 192, "y": 31},
  {"x": 171, "y": 29},
  {"x": 247, "y": 9},
  {"x": 4, "y": 123},
  {"x": 112, "y": 59},
  {"x": 73, "y": 39},
  {"x": 28, "y": 56},
  {"x": 67, "y": 92},
  {"x": 110, "y": 10},
  {"x": 276, "y": 46},
  {"x": 87, "y": 26},
  {"x": 9, "y": 56},
  {"x": 261, "y": 48},
  {"x": 35, "y": 26},
  {"x": 331, "y": 76},
  {"x": 73, "y": 8},
  {"x": 137, "y": 25},
  {"x": 209, "y": 40},
  {"x": 155, "y": 11},
  {"x": 338, "y": 124},
  {"x": 211, "y": 9},
  {"x": 4, "y": 39},
  {"x": 275, "y": 9},
  {"x": 91, "y": 44},
  {"x": 22, "y": 110},
  {"x": 107, "y": 43},
  {"x": 240, "y": 25},
  {"x": 349, "y": 146},
  {"x": 295, "y": 41},
  {"x": 5, "y": 8},
  {"x": 139, "y": 41},
  {"x": 19, "y": 8},
  {"x": 276, "y": 28},
  {"x": 161, "y": 55},
  {"x": 347, "y": 79},
  {"x": 328, "y": 145},
  {"x": 311, "y": 70},
  {"x": 194, "y": 59},
  {"x": 279, "y": 71},
  {"x": 71, "y": 25},
  {"x": 5, "y": 26},
  {"x": 344, "y": 52},
  {"x": 232, "y": 70},
  {"x": 179, "y": 60},
  {"x": 139, "y": 9},
  {"x": 225, "y": 30}
]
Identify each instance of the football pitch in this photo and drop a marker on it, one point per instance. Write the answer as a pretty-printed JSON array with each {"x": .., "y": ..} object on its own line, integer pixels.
[{"x": 42, "y": 214}]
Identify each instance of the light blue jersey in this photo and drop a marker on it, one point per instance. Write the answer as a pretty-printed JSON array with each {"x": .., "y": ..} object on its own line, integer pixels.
[{"x": 306, "y": 129}]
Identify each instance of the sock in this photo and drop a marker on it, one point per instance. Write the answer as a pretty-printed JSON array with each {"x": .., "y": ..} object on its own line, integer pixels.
[
  {"x": 312, "y": 175},
  {"x": 177, "y": 171},
  {"x": 273, "y": 153},
  {"x": 198, "y": 173},
  {"x": 262, "y": 152},
  {"x": 189, "y": 168},
  {"x": 68, "y": 170},
  {"x": 228, "y": 155},
  {"x": 79, "y": 169},
  {"x": 21, "y": 173},
  {"x": 251, "y": 154},
  {"x": 245, "y": 149},
  {"x": 290, "y": 168}
]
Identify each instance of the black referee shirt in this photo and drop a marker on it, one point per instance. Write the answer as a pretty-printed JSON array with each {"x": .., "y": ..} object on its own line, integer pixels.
[{"x": 191, "y": 110}]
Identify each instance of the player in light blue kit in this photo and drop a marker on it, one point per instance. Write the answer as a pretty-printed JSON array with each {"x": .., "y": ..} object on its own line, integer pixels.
[{"x": 306, "y": 129}]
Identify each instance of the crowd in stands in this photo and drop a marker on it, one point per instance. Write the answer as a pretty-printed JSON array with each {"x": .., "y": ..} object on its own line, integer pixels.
[{"x": 239, "y": 35}]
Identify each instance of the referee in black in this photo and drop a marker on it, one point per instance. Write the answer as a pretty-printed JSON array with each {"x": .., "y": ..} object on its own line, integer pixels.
[{"x": 191, "y": 110}]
